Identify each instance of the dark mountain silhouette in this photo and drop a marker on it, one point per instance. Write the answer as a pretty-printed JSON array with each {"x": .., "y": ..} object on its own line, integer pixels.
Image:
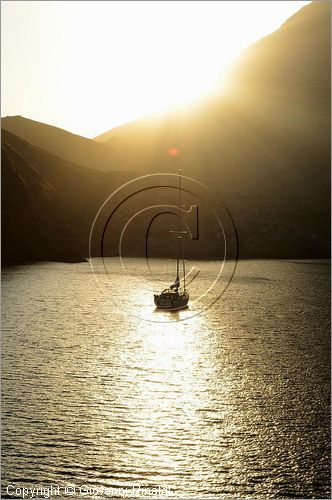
[
  {"x": 263, "y": 148},
  {"x": 59, "y": 142},
  {"x": 48, "y": 204}
]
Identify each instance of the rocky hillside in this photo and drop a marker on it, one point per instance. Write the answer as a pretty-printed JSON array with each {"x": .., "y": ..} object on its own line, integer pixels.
[{"x": 48, "y": 204}]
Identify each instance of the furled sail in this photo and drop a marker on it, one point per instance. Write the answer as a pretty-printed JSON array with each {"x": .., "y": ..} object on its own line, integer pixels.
[{"x": 176, "y": 283}]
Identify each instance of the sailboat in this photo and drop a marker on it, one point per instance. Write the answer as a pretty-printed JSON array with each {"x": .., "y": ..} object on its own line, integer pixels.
[{"x": 175, "y": 297}]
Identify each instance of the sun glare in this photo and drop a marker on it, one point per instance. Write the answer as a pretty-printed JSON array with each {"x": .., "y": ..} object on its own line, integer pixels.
[{"x": 90, "y": 66}]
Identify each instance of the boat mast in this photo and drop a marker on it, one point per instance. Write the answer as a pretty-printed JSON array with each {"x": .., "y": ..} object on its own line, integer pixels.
[
  {"x": 184, "y": 269},
  {"x": 179, "y": 227}
]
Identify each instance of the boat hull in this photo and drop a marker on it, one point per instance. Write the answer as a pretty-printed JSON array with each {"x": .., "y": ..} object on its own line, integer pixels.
[{"x": 171, "y": 301}]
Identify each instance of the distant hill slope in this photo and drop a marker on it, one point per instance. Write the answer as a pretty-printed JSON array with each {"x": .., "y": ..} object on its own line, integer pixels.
[
  {"x": 48, "y": 204},
  {"x": 291, "y": 64},
  {"x": 59, "y": 142}
]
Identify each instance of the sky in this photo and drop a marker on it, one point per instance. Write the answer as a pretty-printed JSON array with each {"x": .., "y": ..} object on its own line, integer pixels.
[{"x": 89, "y": 66}]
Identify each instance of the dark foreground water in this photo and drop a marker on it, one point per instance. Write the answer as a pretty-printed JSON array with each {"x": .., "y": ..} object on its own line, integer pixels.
[{"x": 232, "y": 403}]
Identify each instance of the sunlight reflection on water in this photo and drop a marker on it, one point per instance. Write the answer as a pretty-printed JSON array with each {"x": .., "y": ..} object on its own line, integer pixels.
[{"x": 231, "y": 403}]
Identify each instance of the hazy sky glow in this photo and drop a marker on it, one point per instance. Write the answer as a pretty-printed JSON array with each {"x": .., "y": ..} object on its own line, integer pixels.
[{"x": 90, "y": 66}]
